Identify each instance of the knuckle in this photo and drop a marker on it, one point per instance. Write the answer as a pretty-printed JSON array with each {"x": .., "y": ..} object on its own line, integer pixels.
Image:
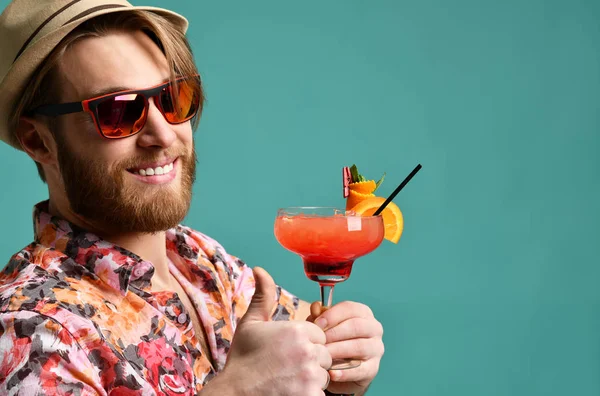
[
  {"x": 332, "y": 334},
  {"x": 372, "y": 370},
  {"x": 305, "y": 353},
  {"x": 365, "y": 348},
  {"x": 308, "y": 375},
  {"x": 312, "y": 391},
  {"x": 316, "y": 333},
  {"x": 294, "y": 334},
  {"x": 382, "y": 348},
  {"x": 288, "y": 336},
  {"x": 376, "y": 368},
  {"x": 359, "y": 348},
  {"x": 305, "y": 376},
  {"x": 325, "y": 355},
  {"x": 356, "y": 327},
  {"x": 379, "y": 328}
]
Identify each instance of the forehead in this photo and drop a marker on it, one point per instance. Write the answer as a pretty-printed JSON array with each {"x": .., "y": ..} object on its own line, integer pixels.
[{"x": 118, "y": 59}]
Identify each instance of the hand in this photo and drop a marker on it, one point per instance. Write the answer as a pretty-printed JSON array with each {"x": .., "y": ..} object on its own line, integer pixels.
[
  {"x": 352, "y": 332},
  {"x": 270, "y": 358}
]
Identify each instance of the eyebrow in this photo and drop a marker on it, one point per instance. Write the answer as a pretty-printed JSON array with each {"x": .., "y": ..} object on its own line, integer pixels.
[{"x": 109, "y": 90}]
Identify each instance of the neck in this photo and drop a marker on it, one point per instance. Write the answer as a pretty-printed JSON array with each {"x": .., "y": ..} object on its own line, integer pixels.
[{"x": 149, "y": 246}]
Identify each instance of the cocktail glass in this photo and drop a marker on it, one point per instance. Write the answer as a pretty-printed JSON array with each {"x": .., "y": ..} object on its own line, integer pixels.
[{"x": 328, "y": 240}]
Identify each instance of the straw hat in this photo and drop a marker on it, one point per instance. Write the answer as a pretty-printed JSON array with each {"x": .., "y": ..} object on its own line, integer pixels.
[{"x": 31, "y": 29}]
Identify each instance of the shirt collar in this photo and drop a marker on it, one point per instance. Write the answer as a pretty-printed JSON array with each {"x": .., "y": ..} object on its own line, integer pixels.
[{"x": 113, "y": 264}]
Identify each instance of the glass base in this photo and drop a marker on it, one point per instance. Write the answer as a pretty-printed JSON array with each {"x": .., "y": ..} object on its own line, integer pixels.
[{"x": 344, "y": 364}]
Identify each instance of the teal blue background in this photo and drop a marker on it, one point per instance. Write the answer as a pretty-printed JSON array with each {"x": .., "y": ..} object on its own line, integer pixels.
[{"x": 493, "y": 288}]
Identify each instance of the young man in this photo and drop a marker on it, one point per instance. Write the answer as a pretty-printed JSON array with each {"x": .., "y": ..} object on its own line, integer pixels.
[{"x": 114, "y": 296}]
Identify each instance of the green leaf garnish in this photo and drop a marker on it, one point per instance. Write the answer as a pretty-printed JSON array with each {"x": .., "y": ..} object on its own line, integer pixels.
[
  {"x": 356, "y": 177},
  {"x": 379, "y": 182}
]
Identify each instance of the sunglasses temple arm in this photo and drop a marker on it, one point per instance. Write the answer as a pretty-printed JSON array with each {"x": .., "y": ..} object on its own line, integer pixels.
[{"x": 60, "y": 109}]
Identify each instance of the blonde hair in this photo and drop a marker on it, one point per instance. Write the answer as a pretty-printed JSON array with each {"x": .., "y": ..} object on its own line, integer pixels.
[{"x": 43, "y": 87}]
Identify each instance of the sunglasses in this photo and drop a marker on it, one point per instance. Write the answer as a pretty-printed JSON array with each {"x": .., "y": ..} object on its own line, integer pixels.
[{"x": 122, "y": 114}]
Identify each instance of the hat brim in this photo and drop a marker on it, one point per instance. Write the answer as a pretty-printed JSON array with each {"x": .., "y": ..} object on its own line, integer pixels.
[{"x": 21, "y": 71}]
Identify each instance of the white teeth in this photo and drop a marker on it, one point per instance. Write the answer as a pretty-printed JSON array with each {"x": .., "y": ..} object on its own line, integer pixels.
[{"x": 159, "y": 170}]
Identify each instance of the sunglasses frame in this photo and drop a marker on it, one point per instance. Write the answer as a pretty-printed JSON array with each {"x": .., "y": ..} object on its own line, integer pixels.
[{"x": 91, "y": 105}]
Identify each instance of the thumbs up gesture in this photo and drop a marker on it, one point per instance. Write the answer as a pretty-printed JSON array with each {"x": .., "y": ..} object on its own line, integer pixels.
[{"x": 269, "y": 358}]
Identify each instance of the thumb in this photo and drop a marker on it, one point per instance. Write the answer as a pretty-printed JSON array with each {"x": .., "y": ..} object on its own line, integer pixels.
[{"x": 264, "y": 299}]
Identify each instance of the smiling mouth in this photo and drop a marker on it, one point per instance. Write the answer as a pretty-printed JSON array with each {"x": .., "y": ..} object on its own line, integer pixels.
[{"x": 156, "y": 171}]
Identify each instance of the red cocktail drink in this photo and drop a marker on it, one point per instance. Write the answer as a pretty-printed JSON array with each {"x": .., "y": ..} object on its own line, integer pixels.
[{"x": 328, "y": 242}]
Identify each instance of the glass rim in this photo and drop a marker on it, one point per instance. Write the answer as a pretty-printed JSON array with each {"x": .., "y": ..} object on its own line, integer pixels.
[{"x": 334, "y": 209}]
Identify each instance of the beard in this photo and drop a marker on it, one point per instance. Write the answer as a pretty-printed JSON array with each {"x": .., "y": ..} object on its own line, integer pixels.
[{"x": 112, "y": 205}]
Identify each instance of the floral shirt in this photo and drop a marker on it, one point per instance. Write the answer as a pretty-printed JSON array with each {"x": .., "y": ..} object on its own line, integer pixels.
[{"x": 78, "y": 316}]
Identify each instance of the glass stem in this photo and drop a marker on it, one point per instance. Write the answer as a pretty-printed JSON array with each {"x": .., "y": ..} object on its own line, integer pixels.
[{"x": 326, "y": 295}]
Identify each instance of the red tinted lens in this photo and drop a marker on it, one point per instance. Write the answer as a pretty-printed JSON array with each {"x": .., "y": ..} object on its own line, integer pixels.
[
  {"x": 180, "y": 103},
  {"x": 121, "y": 115}
]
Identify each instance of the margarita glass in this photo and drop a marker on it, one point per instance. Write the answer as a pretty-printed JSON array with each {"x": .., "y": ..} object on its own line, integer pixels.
[{"x": 328, "y": 240}]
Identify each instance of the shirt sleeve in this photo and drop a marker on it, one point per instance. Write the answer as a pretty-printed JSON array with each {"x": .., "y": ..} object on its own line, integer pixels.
[{"x": 39, "y": 356}]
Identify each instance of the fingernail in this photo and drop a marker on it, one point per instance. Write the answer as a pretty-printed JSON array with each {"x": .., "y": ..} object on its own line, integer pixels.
[{"x": 321, "y": 322}]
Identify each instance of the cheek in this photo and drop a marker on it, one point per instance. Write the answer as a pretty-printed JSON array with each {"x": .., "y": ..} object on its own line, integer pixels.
[
  {"x": 105, "y": 154},
  {"x": 185, "y": 134},
  {"x": 78, "y": 131}
]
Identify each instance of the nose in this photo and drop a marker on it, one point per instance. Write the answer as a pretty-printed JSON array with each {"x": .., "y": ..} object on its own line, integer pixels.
[{"x": 157, "y": 132}]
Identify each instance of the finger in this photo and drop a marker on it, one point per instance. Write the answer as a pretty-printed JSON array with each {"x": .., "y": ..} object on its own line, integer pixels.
[
  {"x": 343, "y": 388},
  {"x": 323, "y": 356},
  {"x": 341, "y": 312},
  {"x": 315, "y": 334},
  {"x": 361, "y": 375},
  {"x": 354, "y": 328},
  {"x": 316, "y": 309},
  {"x": 358, "y": 348},
  {"x": 263, "y": 301},
  {"x": 327, "y": 380},
  {"x": 313, "y": 390}
]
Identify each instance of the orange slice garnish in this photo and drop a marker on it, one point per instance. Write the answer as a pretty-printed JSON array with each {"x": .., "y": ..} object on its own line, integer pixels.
[
  {"x": 354, "y": 198},
  {"x": 365, "y": 187},
  {"x": 393, "y": 220}
]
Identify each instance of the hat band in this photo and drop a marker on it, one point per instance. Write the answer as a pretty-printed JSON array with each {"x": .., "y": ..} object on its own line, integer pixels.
[
  {"x": 58, "y": 12},
  {"x": 92, "y": 10},
  {"x": 42, "y": 26}
]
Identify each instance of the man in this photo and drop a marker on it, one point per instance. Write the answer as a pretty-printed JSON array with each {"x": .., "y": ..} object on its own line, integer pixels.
[{"x": 114, "y": 296}]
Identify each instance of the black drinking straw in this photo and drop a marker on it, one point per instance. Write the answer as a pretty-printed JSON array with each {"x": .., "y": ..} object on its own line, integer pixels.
[{"x": 397, "y": 190}]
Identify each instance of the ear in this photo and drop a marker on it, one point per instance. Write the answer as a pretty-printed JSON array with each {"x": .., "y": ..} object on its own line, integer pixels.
[{"x": 37, "y": 140}]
